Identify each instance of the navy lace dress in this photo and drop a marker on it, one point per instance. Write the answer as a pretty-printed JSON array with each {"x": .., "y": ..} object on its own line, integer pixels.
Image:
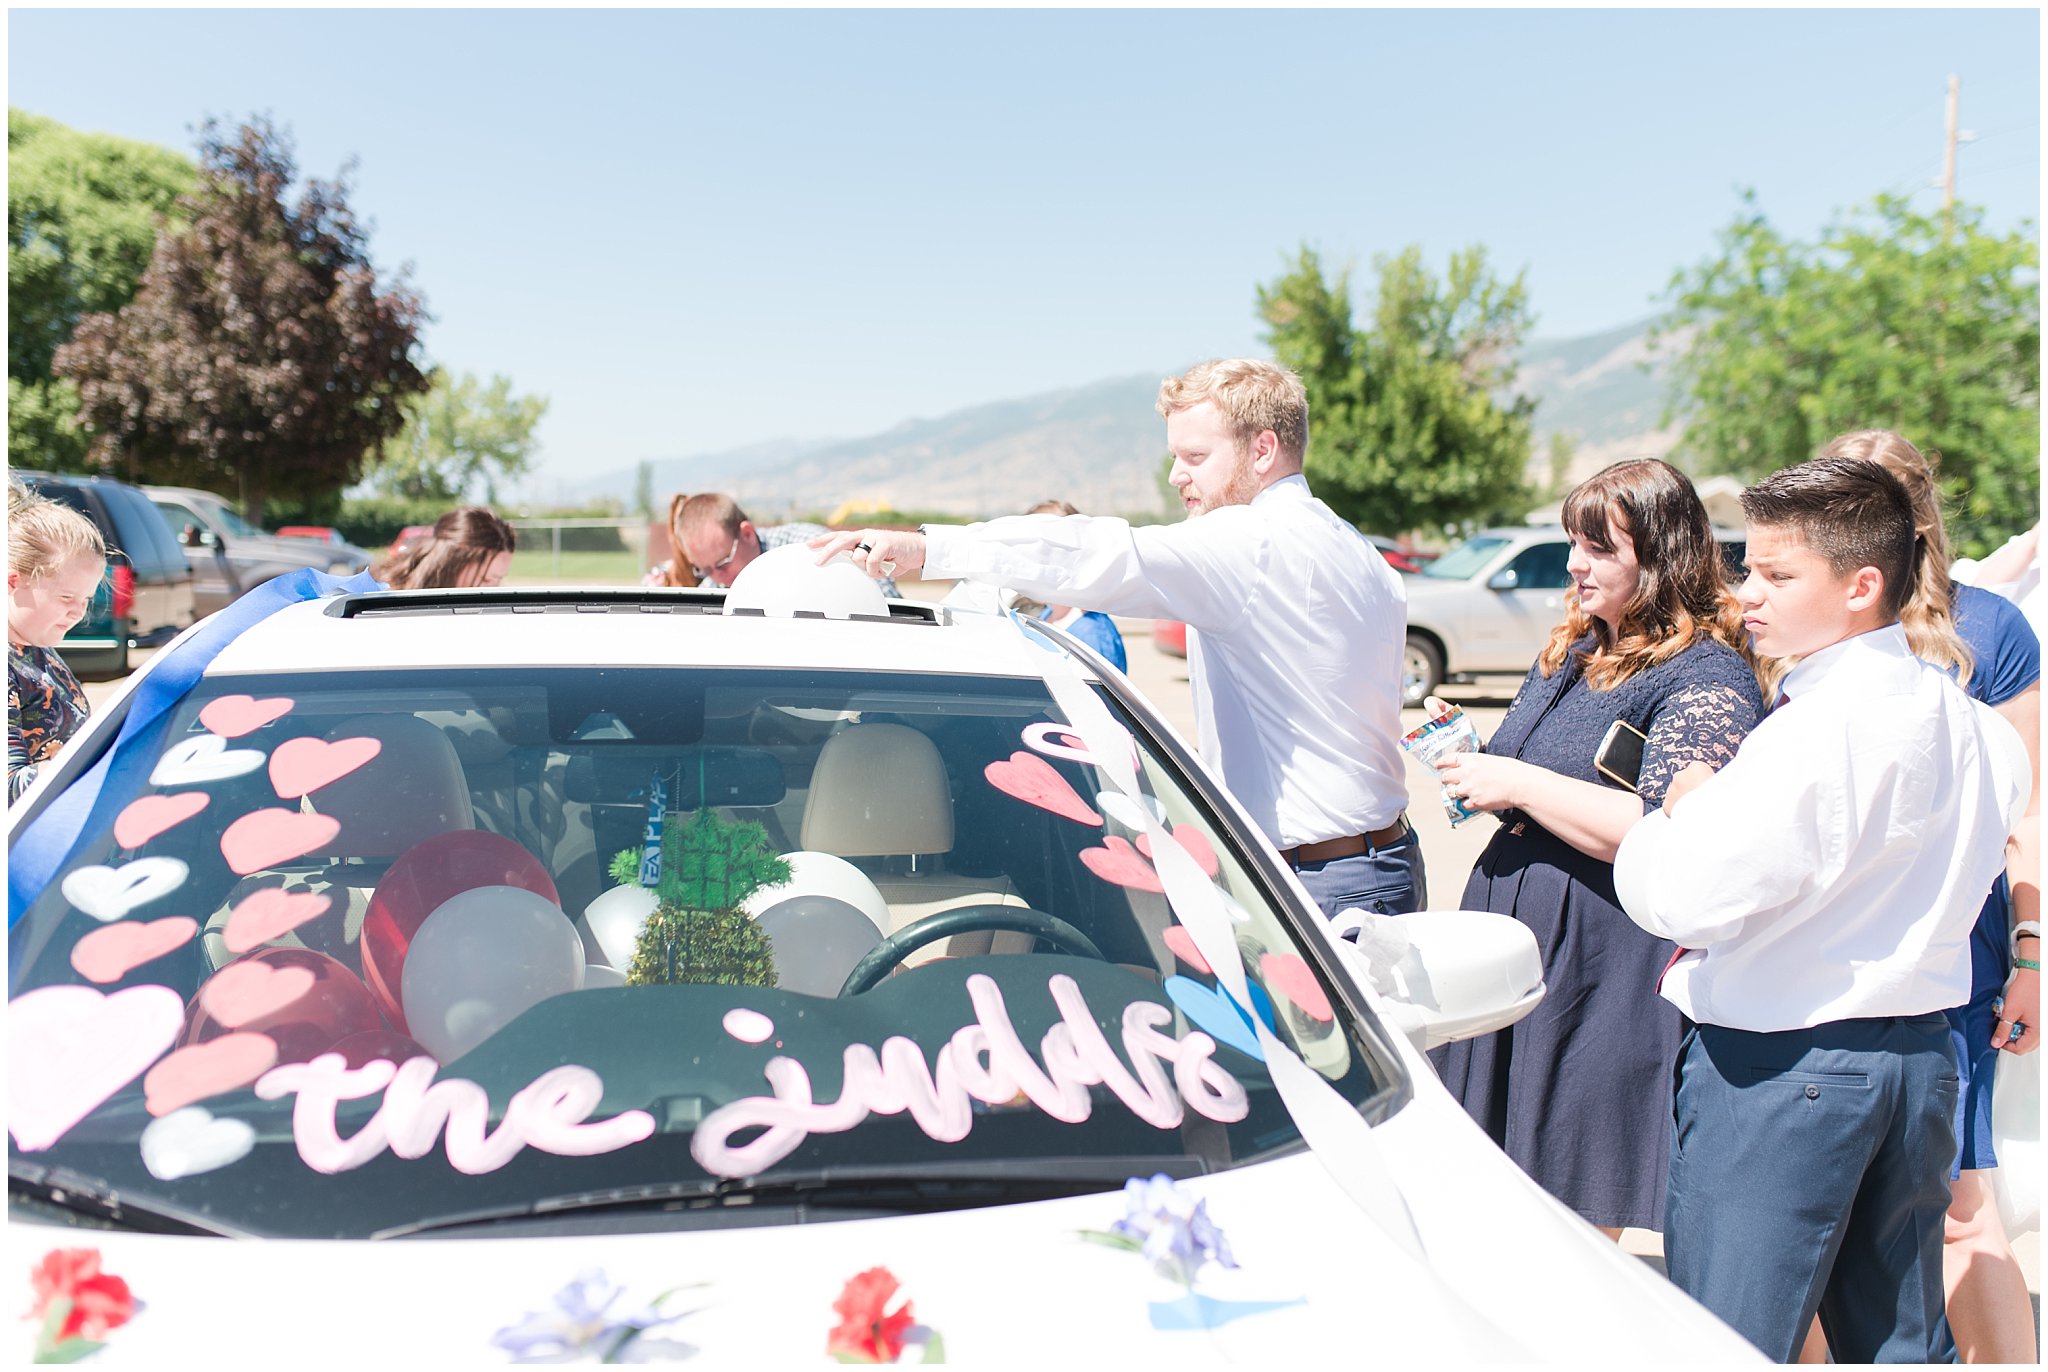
[{"x": 1579, "y": 1092}]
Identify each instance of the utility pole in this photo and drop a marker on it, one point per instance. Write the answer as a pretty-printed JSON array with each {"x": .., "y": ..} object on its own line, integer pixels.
[{"x": 1948, "y": 162}]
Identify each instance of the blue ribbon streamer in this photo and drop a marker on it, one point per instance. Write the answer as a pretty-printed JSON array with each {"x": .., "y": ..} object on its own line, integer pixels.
[{"x": 88, "y": 805}]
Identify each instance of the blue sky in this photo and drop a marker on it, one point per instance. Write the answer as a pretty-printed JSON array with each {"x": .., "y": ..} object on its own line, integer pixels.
[{"x": 695, "y": 230}]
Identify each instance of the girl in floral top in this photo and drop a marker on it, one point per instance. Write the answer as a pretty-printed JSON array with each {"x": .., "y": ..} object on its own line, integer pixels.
[{"x": 55, "y": 560}]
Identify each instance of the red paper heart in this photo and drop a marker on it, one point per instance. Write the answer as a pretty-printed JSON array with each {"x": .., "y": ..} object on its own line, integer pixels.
[
  {"x": 270, "y": 913},
  {"x": 245, "y": 991},
  {"x": 206, "y": 1069},
  {"x": 1291, "y": 977},
  {"x": 111, "y": 953},
  {"x": 1183, "y": 945},
  {"x": 144, "y": 819},
  {"x": 233, "y": 716},
  {"x": 307, "y": 764},
  {"x": 1034, "y": 781},
  {"x": 265, "y": 838},
  {"x": 1116, "y": 860},
  {"x": 1195, "y": 841}
]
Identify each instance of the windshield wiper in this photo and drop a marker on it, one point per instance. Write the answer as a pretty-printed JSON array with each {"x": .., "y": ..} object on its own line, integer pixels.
[
  {"x": 77, "y": 1194},
  {"x": 903, "y": 1188}
]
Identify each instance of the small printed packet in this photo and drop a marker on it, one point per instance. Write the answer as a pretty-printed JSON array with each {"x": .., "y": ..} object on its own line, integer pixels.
[{"x": 1440, "y": 738}]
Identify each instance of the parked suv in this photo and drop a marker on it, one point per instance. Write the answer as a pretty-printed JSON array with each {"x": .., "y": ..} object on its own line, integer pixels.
[
  {"x": 1488, "y": 605},
  {"x": 228, "y": 555},
  {"x": 147, "y": 596}
]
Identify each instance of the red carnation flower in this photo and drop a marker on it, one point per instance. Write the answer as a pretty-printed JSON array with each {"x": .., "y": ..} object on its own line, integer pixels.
[
  {"x": 865, "y": 1333},
  {"x": 100, "y": 1302}
]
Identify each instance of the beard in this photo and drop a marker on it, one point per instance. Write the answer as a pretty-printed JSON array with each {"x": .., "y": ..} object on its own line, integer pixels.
[{"x": 1240, "y": 489}]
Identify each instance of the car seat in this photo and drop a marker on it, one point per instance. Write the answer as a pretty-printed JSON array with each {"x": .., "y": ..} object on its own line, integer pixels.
[
  {"x": 879, "y": 792},
  {"x": 412, "y": 789}
]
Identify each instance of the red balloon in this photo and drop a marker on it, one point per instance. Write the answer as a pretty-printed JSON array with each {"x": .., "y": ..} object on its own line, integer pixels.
[
  {"x": 388, "y": 1044},
  {"x": 422, "y": 877},
  {"x": 304, "y": 1002}
]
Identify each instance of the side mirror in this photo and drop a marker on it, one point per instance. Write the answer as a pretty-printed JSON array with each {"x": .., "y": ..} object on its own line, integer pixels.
[
  {"x": 1506, "y": 579},
  {"x": 191, "y": 537},
  {"x": 1444, "y": 975}
]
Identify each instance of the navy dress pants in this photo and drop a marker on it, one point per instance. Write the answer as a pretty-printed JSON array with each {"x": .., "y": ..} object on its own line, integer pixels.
[
  {"x": 1386, "y": 881},
  {"x": 1810, "y": 1172}
]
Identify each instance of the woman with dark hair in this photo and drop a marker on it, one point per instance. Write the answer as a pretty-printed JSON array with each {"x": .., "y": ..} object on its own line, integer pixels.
[
  {"x": 1579, "y": 1092},
  {"x": 468, "y": 547}
]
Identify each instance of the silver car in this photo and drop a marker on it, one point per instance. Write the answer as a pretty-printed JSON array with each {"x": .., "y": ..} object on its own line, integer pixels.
[
  {"x": 1487, "y": 606},
  {"x": 228, "y": 555}
]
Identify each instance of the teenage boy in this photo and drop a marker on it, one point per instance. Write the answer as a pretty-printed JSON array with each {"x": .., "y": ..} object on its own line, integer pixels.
[{"x": 1822, "y": 888}]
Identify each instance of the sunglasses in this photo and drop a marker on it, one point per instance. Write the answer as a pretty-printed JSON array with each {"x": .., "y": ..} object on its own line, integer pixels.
[{"x": 704, "y": 573}]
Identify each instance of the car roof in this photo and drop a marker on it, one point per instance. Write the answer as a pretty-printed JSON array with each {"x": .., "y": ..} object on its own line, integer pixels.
[{"x": 578, "y": 627}]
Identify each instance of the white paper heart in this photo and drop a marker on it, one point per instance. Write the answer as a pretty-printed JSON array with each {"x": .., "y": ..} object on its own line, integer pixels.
[
  {"x": 1125, "y": 810},
  {"x": 203, "y": 758},
  {"x": 71, "y": 1047},
  {"x": 187, "y": 1142},
  {"x": 108, "y": 893}
]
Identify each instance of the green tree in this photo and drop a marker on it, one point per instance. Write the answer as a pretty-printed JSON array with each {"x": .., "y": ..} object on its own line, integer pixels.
[
  {"x": 643, "y": 490},
  {"x": 461, "y": 433},
  {"x": 259, "y": 356},
  {"x": 1894, "y": 319},
  {"x": 1409, "y": 428},
  {"x": 82, "y": 217}
]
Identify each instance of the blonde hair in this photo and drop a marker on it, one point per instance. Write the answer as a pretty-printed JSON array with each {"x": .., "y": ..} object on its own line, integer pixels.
[
  {"x": 44, "y": 534},
  {"x": 1252, "y": 395},
  {"x": 680, "y": 572},
  {"x": 1681, "y": 594},
  {"x": 1927, "y": 612}
]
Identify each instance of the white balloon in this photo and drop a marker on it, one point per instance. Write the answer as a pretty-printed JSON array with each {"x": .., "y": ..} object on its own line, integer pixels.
[
  {"x": 482, "y": 959},
  {"x": 784, "y": 580},
  {"x": 616, "y": 918},
  {"x": 823, "y": 874},
  {"x": 817, "y": 941},
  {"x": 599, "y": 974}
]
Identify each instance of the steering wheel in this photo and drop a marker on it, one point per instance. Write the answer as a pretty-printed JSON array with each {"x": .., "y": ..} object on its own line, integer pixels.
[{"x": 883, "y": 957}]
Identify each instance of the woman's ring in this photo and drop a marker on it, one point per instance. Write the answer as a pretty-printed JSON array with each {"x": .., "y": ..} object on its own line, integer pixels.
[
  {"x": 863, "y": 547},
  {"x": 2018, "y": 1028}
]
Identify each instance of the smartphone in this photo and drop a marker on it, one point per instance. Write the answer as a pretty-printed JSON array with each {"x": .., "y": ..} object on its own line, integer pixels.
[{"x": 1620, "y": 755}]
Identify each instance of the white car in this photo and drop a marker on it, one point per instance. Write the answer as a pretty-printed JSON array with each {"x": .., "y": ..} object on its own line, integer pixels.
[
  {"x": 1487, "y": 606},
  {"x": 533, "y": 973}
]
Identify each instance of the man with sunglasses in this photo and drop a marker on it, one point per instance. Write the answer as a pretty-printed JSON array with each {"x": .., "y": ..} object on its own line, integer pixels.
[{"x": 719, "y": 540}]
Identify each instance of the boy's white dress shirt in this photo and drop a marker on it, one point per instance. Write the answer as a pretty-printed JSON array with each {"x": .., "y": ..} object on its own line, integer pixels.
[
  {"x": 1835, "y": 868},
  {"x": 1295, "y": 658}
]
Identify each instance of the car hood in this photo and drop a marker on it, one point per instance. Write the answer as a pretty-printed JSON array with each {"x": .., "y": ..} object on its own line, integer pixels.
[{"x": 1510, "y": 1277}]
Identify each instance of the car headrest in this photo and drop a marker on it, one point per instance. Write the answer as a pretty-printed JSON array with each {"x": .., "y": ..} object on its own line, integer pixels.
[
  {"x": 412, "y": 789},
  {"x": 879, "y": 790}
]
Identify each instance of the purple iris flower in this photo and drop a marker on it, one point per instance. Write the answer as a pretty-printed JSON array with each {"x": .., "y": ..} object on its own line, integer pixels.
[
  {"x": 1171, "y": 1228},
  {"x": 588, "y": 1318}
]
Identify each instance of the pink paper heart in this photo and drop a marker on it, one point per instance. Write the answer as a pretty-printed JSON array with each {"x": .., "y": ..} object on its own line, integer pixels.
[
  {"x": 271, "y": 912},
  {"x": 1033, "y": 780},
  {"x": 1291, "y": 977},
  {"x": 1195, "y": 841},
  {"x": 233, "y": 716},
  {"x": 242, "y": 992},
  {"x": 207, "y": 1069},
  {"x": 1116, "y": 860},
  {"x": 307, "y": 764},
  {"x": 264, "y": 838},
  {"x": 144, "y": 819},
  {"x": 113, "y": 952},
  {"x": 70, "y": 1047},
  {"x": 1183, "y": 945}
]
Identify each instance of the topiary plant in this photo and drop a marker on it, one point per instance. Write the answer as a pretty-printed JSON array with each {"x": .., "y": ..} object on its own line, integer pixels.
[{"x": 697, "y": 932}]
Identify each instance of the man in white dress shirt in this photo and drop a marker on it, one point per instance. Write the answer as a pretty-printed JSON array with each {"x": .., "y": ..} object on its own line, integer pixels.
[
  {"x": 1296, "y": 623},
  {"x": 1822, "y": 888}
]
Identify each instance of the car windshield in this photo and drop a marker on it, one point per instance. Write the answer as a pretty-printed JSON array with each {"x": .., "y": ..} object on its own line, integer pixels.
[
  {"x": 232, "y": 522},
  {"x": 1465, "y": 559},
  {"x": 361, "y": 953}
]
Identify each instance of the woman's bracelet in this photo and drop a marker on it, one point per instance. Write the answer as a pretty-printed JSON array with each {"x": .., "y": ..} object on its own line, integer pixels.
[{"x": 2026, "y": 964}]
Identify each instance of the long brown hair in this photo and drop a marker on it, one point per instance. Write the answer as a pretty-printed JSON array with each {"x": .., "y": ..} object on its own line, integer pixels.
[
  {"x": 680, "y": 572},
  {"x": 1927, "y": 613},
  {"x": 1681, "y": 592},
  {"x": 463, "y": 543}
]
